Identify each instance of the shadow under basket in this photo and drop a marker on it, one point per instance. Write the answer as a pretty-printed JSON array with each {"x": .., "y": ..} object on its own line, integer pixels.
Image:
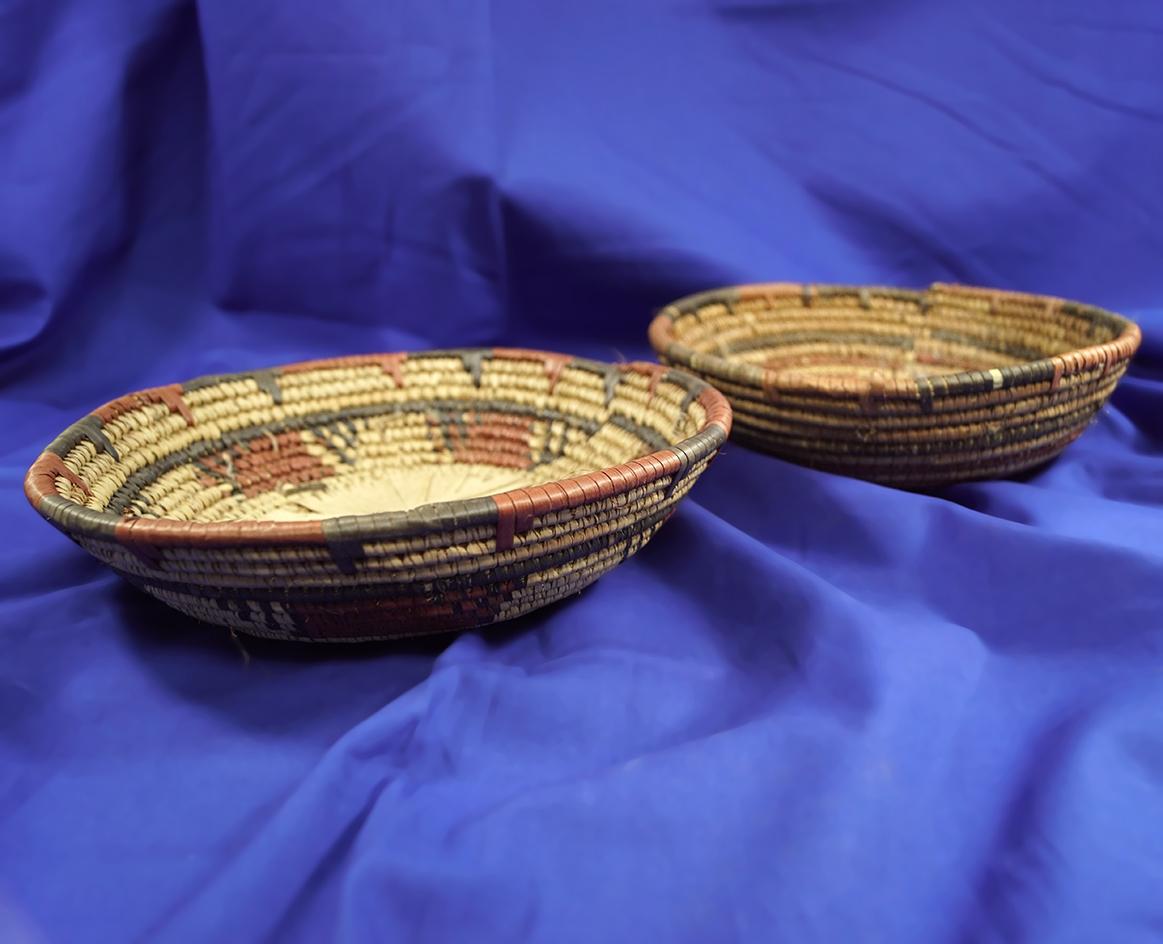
[
  {"x": 380, "y": 496},
  {"x": 914, "y": 389}
]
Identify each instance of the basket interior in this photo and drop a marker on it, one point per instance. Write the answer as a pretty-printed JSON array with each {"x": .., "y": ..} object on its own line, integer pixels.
[
  {"x": 845, "y": 333},
  {"x": 356, "y": 438}
]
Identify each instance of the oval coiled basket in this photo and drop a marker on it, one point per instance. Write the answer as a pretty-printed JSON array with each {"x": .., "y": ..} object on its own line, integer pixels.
[
  {"x": 303, "y": 502},
  {"x": 907, "y": 388}
]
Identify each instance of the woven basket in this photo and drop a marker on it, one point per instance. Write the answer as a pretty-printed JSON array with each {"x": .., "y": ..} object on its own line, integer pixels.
[
  {"x": 381, "y": 496},
  {"x": 908, "y": 388}
]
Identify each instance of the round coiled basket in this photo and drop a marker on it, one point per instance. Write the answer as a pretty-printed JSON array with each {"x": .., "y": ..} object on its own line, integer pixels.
[
  {"x": 381, "y": 496},
  {"x": 907, "y": 388}
]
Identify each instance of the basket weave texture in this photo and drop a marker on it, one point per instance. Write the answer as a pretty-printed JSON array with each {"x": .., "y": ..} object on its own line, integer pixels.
[
  {"x": 385, "y": 495},
  {"x": 908, "y": 388}
]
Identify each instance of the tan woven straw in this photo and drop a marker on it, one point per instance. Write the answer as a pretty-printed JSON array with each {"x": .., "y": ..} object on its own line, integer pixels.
[
  {"x": 381, "y": 496},
  {"x": 908, "y": 388}
]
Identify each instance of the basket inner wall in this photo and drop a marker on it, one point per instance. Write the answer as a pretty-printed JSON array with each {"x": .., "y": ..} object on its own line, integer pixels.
[
  {"x": 358, "y": 439},
  {"x": 903, "y": 335}
]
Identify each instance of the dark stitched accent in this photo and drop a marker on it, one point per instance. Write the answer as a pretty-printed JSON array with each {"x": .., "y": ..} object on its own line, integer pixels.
[
  {"x": 268, "y": 383},
  {"x": 472, "y": 363}
]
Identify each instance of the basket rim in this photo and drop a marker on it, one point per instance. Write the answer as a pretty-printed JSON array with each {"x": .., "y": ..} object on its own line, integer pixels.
[
  {"x": 509, "y": 509},
  {"x": 719, "y": 367}
]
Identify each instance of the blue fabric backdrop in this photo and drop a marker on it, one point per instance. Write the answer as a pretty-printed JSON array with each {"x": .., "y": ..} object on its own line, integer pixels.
[{"x": 812, "y": 709}]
